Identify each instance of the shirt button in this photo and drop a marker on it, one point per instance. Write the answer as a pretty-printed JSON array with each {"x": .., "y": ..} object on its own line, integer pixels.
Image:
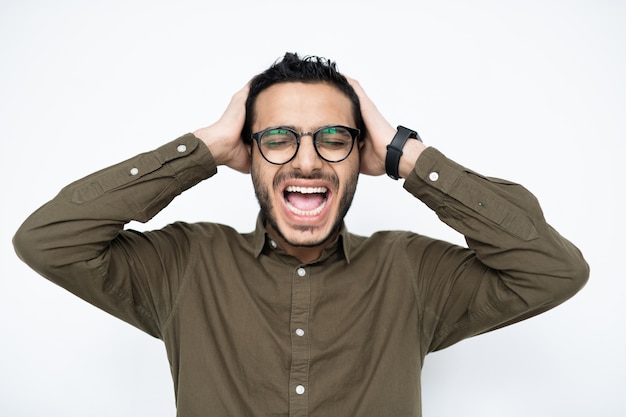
[
  {"x": 273, "y": 244},
  {"x": 300, "y": 332},
  {"x": 300, "y": 389},
  {"x": 134, "y": 171},
  {"x": 301, "y": 272},
  {"x": 181, "y": 148},
  {"x": 433, "y": 176}
]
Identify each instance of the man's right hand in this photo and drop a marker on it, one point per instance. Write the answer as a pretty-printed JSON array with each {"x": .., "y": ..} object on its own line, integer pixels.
[{"x": 223, "y": 138}]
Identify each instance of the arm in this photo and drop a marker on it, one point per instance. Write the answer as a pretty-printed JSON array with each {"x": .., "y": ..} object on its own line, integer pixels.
[
  {"x": 517, "y": 265},
  {"x": 77, "y": 239}
]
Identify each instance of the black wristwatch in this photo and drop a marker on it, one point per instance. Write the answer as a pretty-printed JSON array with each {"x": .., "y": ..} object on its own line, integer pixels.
[{"x": 394, "y": 150}]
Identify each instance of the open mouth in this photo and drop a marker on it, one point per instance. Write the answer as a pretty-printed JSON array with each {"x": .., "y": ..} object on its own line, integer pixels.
[{"x": 305, "y": 201}]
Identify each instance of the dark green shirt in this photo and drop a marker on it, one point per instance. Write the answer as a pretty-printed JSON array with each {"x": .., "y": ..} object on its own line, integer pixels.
[{"x": 251, "y": 331}]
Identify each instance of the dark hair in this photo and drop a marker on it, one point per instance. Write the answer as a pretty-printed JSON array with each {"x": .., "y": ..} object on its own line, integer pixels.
[{"x": 292, "y": 68}]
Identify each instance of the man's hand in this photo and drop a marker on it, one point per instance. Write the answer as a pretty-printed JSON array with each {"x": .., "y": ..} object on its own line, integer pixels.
[
  {"x": 223, "y": 138},
  {"x": 379, "y": 135}
]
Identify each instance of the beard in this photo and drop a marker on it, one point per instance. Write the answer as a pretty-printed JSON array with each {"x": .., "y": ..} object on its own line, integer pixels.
[{"x": 346, "y": 195}]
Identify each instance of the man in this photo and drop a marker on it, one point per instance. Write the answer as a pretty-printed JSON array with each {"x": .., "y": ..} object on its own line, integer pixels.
[{"x": 300, "y": 317}]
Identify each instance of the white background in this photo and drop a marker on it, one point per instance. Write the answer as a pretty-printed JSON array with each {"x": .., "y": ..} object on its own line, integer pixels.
[{"x": 532, "y": 91}]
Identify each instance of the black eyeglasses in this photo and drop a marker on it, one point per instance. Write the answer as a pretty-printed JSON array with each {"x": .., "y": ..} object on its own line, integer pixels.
[{"x": 279, "y": 145}]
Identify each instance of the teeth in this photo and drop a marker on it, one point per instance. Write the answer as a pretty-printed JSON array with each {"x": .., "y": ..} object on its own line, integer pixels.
[
  {"x": 306, "y": 190},
  {"x": 313, "y": 212}
]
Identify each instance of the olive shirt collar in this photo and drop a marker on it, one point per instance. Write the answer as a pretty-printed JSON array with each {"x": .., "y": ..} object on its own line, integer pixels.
[{"x": 264, "y": 243}]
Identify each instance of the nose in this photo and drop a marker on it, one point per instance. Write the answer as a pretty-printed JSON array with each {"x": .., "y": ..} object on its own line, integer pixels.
[{"x": 307, "y": 159}]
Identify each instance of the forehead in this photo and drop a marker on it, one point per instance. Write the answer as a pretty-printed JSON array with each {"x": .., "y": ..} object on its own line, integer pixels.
[{"x": 302, "y": 105}]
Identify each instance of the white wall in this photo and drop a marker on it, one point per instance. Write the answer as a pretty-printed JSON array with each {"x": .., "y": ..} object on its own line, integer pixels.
[{"x": 532, "y": 91}]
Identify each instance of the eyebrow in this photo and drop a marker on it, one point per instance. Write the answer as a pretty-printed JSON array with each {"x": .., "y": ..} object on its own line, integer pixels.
[{"x": 292, "y": 127}]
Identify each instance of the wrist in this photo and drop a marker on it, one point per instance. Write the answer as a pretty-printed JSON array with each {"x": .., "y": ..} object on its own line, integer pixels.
[
  {"x": 226, "y": 146},
  {"x": 211, "y": 138},
  {"x": 411, "y": 152}
]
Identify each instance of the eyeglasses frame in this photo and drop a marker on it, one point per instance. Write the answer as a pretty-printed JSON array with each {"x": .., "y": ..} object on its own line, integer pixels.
[{"x": 354, "y": 133}]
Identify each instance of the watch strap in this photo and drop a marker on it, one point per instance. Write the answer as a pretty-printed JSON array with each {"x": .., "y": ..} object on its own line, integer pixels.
[{"x": 394, "y": 150}]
